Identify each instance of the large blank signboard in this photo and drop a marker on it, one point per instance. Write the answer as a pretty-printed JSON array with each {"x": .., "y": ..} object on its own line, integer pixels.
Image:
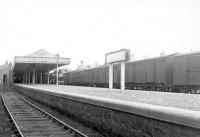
[{"x": 117, "y": 56}]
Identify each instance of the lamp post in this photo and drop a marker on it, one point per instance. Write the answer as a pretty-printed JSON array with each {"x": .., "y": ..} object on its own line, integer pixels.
[{"x": 57, "y": 57}]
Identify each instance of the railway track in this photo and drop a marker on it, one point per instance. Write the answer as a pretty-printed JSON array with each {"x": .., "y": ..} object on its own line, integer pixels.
[{"x": 32, "y": 121}]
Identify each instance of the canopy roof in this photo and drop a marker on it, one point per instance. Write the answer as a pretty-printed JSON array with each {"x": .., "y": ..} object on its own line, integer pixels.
[
  {"x": 41, "y": 60},
  {"x": 40, "y": 53}
]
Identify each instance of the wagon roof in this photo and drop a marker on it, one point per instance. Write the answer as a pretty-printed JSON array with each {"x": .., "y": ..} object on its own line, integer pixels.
[
  {"x": 188, "y": 53},
  {"x": 154, "y": 58},
  {"x": 102, "y": 66}
]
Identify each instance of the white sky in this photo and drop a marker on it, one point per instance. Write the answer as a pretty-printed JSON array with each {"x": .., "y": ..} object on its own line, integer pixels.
[{"x": 87, "y": 29}]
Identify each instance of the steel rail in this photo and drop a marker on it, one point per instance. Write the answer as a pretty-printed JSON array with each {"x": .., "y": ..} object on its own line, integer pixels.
[
  {"x": 54, "y": 118},
  {"x": 16, "y": 125},
  {"x": 71, "y": 130}
]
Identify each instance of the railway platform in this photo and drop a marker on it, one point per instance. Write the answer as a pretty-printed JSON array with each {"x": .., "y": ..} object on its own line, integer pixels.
[
  {"x": 133, "y": 113},
  {"x": 165, "y": 99}
]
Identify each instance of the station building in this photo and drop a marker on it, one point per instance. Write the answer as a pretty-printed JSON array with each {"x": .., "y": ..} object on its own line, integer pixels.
[
  {"x": 34, "y": 68},
  {"x": 6, "y": 74}
]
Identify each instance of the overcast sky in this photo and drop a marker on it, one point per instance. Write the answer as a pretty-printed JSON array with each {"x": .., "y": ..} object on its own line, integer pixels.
[{"x": 87, "y": 29}]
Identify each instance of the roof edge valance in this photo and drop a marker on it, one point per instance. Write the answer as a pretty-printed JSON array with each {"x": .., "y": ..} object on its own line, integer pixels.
[{"x": 41, "y": 60}]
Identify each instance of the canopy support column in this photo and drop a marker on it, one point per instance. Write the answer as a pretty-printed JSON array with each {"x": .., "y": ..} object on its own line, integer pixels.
[
  {"x": 29, "y": 77},
  {"x": 36, "y": 77},
  {"x": 23, "y": 78},
  {"x": 33, "y": 77},
  {"x": 26, "y": 77},
  {"x": 48, "y": 77},
  {"x": 110, "y": 76},
  {"x": 41, "y": 77}
]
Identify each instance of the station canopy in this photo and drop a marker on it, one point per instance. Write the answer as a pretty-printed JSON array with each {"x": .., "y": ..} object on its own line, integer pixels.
[{"x": 39, "y": 60}]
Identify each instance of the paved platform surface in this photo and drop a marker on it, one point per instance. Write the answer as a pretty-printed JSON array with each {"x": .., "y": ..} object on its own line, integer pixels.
[{"x": 177, "y": 100}]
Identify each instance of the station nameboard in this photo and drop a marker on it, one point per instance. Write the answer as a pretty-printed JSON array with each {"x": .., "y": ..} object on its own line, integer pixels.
[{"x": 117, "y": 56}]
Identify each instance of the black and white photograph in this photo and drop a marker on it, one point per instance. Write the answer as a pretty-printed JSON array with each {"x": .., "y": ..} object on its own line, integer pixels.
[{"x": 99, "y": 68}]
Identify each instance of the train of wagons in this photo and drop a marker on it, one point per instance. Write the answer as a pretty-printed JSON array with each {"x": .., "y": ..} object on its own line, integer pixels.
[{"x": 170, "y": 73}]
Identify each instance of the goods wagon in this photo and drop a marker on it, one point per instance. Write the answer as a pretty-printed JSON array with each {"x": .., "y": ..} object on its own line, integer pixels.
[
  {"x": 103, "y": 76},
  {"x": 139, "y": 74},
  {"x": 90, "y": 77},
  {"x": 150, "y": 71},
  {"x": 186, "y": 68},
  {"x": 164, "y": 71},
  {"x": 129, "y": 73},
  {"x": 150, "y": 74},
  {"x": 173, "y": 73}
]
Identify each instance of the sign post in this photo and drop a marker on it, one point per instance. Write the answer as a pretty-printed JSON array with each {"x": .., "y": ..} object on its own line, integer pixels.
[
  {"x": 110, "y": 76},
  {"x": 122, "y": 76},
  {"x": 120, "y": 56}
]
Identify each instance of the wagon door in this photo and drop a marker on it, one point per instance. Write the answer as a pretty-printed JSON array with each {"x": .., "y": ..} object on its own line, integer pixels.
[
  {"x": 160, "y": 71},
  {"x": 194, "y": 70},
  {"x": 139, "y": 72},
  {"x": 180, "y": 67},
  {"x": 150, "y": 72},
  {"x": 129, "y": 71}
]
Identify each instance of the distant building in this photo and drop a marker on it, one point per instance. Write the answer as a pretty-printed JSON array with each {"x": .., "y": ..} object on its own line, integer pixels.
[{"x": 6, "y": 74}]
